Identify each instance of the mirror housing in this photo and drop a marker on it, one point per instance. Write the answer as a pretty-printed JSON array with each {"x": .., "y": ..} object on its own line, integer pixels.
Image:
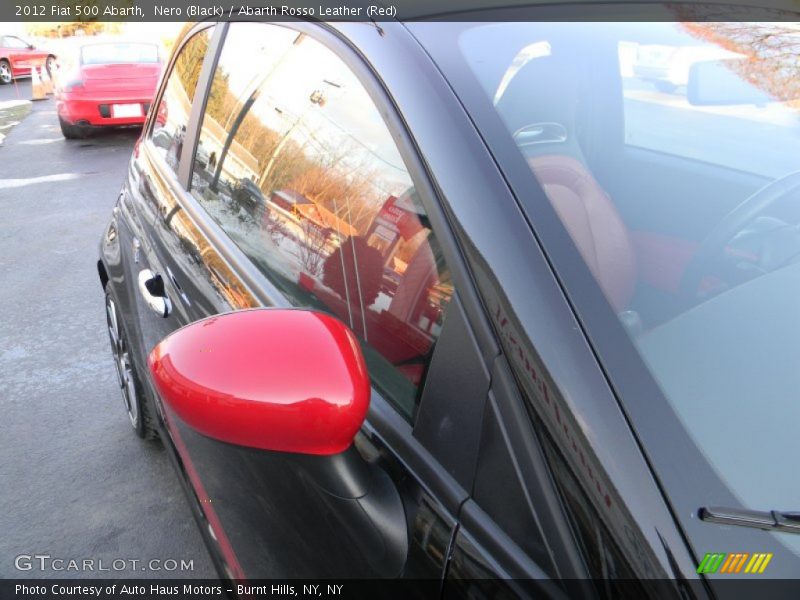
[
  {"x": 716, "y": 83},
  {"x": 272, "y": 379}
]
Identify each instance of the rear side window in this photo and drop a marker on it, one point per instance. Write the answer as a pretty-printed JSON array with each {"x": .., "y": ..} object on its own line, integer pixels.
[
  {"x": 116, "y": 54},
  {"x": 172, "y": 116},
  {"x": 296, "y": 164},
  {"x": 12, "y": 42}
]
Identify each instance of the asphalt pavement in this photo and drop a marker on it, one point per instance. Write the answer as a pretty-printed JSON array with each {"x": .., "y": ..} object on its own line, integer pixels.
[{"x": 75, "y": 482}]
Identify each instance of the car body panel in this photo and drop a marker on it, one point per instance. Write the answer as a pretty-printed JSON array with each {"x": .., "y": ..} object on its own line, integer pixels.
[
  {"x": 21, "y": 56},
  {"x": 105, "y": 91}
]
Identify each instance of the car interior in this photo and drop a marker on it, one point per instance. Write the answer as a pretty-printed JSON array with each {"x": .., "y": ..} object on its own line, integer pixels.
[{"x": 648, "y": 223}]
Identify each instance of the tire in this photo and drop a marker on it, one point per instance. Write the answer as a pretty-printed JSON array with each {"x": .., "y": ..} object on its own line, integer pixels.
[
  {"x": 6, "y": 76},
  {"x": 50, "y": 65},
  {"x": 71, "y": 132},
  {"x": 133, "y": 399}
]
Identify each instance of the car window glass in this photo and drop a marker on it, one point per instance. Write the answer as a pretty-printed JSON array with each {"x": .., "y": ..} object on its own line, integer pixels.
[
  {"x": 119, "y": 53},
  {"x": 659, "y": 115},
  {"x": 172, "y": 116},
  {"x": 12, "y": 42},
  {"x": 296, "y": 164}
]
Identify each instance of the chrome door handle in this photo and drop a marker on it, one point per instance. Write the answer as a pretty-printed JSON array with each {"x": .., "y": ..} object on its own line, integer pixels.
[{"x": 151, "y": 287}]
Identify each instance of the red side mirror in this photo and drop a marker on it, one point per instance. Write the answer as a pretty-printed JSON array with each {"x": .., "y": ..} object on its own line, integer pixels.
[{"x": 274, "y": 379}]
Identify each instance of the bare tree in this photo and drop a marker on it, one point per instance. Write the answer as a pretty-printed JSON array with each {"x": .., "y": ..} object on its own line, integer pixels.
[
  {"x": 275, "y": 229},
  {"x": 312, "y": 248},
  {"x": 770, "y": 53}
]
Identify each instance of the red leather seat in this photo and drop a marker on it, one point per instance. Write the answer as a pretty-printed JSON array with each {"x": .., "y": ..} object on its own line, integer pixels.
[{"x": 593, "y": 223}]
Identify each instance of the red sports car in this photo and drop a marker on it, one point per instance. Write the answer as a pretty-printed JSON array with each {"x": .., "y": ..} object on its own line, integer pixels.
[
  {"x": 18, "y": 56},
  {"x": 113, "y": 84}
]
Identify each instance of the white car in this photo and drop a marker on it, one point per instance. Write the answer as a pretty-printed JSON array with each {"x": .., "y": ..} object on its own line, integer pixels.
[{"x": 667, "y": 67}]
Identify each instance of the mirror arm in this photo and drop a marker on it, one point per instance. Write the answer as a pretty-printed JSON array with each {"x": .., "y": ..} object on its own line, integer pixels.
[
  {"x": 345, "y": 475},
  {"x": 366, "y": 503}
]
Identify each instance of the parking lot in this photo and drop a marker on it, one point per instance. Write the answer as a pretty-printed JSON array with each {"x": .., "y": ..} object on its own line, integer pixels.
[{"x": 76, "y": 483}]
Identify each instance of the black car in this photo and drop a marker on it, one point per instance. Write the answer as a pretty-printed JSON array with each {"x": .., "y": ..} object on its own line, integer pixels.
[{"x": 587, "y": 368}]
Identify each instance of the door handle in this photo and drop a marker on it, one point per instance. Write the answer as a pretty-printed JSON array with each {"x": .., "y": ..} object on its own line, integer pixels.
[{"x": 151, "y": 287}]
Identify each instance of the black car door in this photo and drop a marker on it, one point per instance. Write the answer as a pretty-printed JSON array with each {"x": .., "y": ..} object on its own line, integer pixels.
[
  {"x": 287, "y": 183},
  {"x": 174, "y": 275}
]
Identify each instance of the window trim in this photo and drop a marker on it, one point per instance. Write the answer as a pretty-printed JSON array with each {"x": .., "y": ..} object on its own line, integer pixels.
[
  {"x": 408, "y": 150},
  {"x": 199, "y": 102},
  {"x": 405, "y": 147},
  {"x": 424, "y": 182},
  {"x": 427, "y": 190},
  {"x": 217, "y": 37}
]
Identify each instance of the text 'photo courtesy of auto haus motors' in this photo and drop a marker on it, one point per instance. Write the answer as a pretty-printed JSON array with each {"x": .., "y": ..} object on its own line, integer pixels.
[{"x": 509, "y": 307}]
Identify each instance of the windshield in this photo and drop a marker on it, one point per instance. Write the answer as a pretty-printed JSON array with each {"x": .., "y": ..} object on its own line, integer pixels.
[
  {"x": 670, "y": 153},
  {"x": 108, "y": 54}
]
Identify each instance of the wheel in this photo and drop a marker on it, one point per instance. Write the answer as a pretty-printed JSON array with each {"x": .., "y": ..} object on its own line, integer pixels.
[
  {"x": 6, "y": 76},
  {"x": 132, "y": 398},
  {"x": 50, "y": 65},
  {"x": 71, "y": 132}
]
